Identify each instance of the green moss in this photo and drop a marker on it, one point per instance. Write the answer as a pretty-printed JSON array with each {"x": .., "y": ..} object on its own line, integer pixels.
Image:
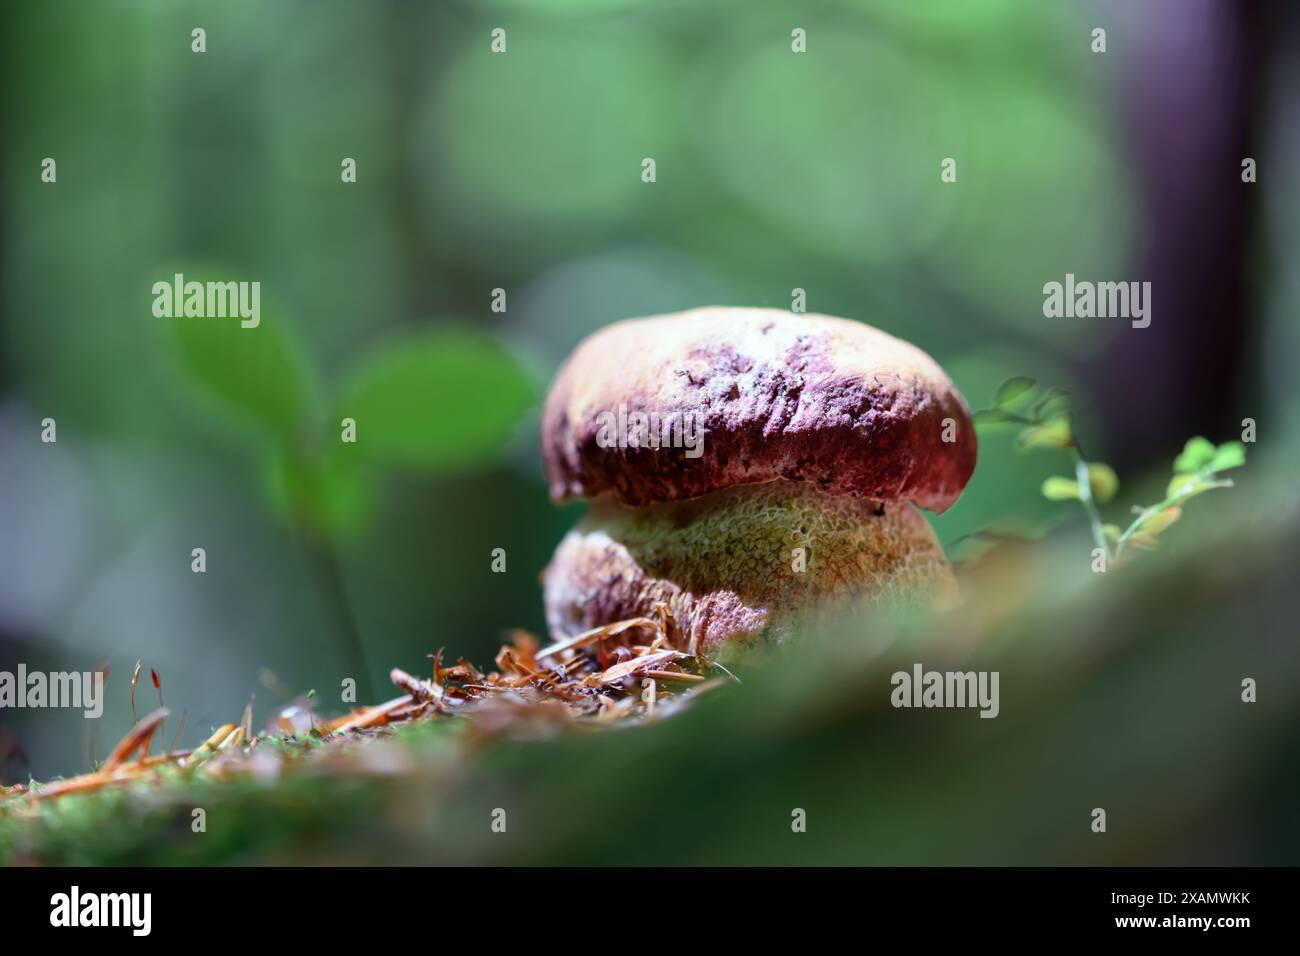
[{"x": 1120, "y": 691}]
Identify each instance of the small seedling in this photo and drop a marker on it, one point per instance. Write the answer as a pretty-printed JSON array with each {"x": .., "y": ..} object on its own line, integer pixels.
[{"x": 1045, "y": 421}]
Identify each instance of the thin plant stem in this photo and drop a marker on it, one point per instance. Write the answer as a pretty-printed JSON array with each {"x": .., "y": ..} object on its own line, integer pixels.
[
  {"x": 1152, "y": 510},
  {"x": 351, "y": 647},
  {"x": 1085, "y": 495}
]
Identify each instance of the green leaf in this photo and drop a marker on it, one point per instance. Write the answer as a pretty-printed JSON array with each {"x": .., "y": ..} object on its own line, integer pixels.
[
  {"x": 440, "y": 400},
  {"x": 1103, "y": 482},
  {"x": 257, "y": 375},
  {"x": 1051, "y": 402},
  {"x": 330, "y": 494},
  {"x": 1190, "y": 486},
  {"x": 1197, "y": 453},
  {"x": 1053, "y": 434},
  {"x": 1159, "y": 521},
  {"x": 989, "y": 416},
  {"x": 1112, "y": 533},
  {"x": 1057, "y": 488},
  {"x": 1228, "y": 455},
  {"x": 1012, "y": 389}
]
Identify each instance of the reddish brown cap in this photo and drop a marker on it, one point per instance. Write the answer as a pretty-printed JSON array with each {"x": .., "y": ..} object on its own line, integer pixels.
[{"x": 813, "y": 398}]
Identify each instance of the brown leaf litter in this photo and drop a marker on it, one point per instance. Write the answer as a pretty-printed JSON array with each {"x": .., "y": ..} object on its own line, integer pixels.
[{"x": 621, "y": 673}]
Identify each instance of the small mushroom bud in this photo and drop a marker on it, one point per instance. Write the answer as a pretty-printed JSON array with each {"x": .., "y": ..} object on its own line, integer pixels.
[{"x": 812, "y": 435}]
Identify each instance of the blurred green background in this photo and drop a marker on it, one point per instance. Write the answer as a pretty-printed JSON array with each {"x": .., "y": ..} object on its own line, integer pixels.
[{"x": 521, "y": 171}]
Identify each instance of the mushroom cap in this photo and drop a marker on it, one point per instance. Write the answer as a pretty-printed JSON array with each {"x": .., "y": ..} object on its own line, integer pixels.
[
  {"x": 725, "y": 565},
  {"x": 811, "y": 398}
]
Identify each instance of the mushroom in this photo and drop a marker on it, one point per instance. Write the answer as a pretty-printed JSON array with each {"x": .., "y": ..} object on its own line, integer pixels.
[{"x": 748, "y": 465}]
